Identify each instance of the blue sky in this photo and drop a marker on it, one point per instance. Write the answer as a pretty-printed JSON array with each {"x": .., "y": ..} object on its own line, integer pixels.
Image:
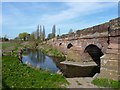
[{"x": 18, "y": 17}]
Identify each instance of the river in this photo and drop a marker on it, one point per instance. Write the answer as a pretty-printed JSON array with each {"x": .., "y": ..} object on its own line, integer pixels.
[{"x": 37, "y": 59}]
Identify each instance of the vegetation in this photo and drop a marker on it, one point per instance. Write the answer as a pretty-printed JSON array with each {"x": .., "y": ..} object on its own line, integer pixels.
[
  {"x": 10, "y": 46},
  {"x": 53, "y": 34},
  {"x": 54, "y": 31},
  {"x": 4, "y": 38},
  {"x": 24, "y": 36},
  {"x": 43, "y": 33},
  {"x": 49, "y": 50},
  {"x": 17, "y": 75},
  {"x": 103, "y": 82},
  {"x": 50, "y": 36}
]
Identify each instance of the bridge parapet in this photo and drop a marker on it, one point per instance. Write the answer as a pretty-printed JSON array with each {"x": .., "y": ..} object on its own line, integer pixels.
[{"x": 96, "y": 40}]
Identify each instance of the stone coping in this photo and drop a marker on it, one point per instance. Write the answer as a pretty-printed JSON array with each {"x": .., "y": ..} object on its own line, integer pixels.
[{"x": 81, "y": 64}]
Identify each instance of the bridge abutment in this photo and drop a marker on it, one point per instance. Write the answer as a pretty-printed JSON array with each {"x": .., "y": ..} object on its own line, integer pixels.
[{"x": 110, "y": 62}]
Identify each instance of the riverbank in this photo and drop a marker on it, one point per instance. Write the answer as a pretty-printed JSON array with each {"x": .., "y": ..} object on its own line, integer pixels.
[
  {"x": 18, "y": 75},
  {"x": 45, "y": 48},
  {"x": 51, "y": 51}
]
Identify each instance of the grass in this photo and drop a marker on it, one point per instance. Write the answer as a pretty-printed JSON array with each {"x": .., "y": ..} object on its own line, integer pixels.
[
  {"x": 18, "y": 75},
  {"x": 78, "y": 83},
  {"x": 10, "y": 45},
  {"x": 49, "y": 50},
  {"x": 103, "y": 82}
]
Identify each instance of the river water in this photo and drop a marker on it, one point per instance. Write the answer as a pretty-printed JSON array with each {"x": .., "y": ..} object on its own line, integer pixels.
[{"x": 37, "y": 59}]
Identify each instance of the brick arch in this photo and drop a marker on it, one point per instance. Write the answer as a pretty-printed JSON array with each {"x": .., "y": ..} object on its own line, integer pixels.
[
  {"x": 95, "y": 52},
  {"x": 60, "y": 43},
  {"x": 69, "y": 45}
]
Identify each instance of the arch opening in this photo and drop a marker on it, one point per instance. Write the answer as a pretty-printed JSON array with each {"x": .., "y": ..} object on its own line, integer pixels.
[
  {"x": 60, "y": 44},
  {"x": 95, "y": 53},
  {"x": 69, "y": 46}
]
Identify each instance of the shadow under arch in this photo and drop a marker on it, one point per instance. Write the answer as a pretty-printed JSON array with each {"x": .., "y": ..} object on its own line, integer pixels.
[
  {"x": 60, "y": 44},
  {"x": 95, "y": 53},
  {"x": 69, "y": 46}
]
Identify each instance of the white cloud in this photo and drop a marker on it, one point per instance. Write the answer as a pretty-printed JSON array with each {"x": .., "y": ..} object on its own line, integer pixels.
[
  {"x": 25, "y": 22},
  {"x": 75, "y": 10}
]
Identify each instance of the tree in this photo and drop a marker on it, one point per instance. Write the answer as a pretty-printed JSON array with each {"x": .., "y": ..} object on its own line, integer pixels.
[
  {"x": 50, "y": 36},
  {"x": 37, "y": 32},
  {"x": 70, "y": 33},
  {"x": 40, "y": 33},
  {"x": 43, "y": 33},
  {"x": 23, "y": 36},
  {"x": 32, "y": 36},
  {"x": 5, "y": 38},
  {"x": 54, "y": 31}
]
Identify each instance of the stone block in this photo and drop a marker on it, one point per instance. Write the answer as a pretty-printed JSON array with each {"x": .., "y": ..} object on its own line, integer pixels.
[
  {"x": 113, "y": 51},
  {"x": 106, "y": 73},
  {"x": 114, "y": 46},
  {"x": 110, "y": 56}
]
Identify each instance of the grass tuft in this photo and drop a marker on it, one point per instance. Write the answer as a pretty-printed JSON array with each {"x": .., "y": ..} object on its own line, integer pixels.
[{"x": 103, "y": 82}]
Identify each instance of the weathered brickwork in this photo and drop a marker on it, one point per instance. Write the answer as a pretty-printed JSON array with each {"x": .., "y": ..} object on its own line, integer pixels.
[{"x": 103, "y": 38}]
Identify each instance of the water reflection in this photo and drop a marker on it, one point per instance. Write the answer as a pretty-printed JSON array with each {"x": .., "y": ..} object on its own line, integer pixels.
[{"x": 37, "y": 59}]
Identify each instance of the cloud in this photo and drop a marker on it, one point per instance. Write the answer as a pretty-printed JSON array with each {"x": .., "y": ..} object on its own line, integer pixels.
[
  {"x": 26, "y": 16},
  {"x": 75, "y": 10}
]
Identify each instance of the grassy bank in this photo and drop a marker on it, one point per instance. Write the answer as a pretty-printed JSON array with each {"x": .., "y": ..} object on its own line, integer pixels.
[
  {"x": 103, "y": 82},
  {"x": 17, "y": 75},
  {"x": 51, "y": 51},
  {"x": 10, "y": 45}
]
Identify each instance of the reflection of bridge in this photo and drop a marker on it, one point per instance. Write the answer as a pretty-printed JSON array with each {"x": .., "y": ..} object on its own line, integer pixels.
[{"x": 88, "y": 45}]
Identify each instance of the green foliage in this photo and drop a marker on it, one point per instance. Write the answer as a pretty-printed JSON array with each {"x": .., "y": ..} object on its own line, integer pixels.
[
  {"x": 32, "y": 36},
  {"x": 43, "y": 33},
  {"x": 17, "y": 75},
  {"x": 103, "y": 82},
  {"x": 49, "y": 50},
  {"x": 10, "y": 45},
  {"x": 51, "y": 35},
  {"x": 23, "y": 35},
  {"x": 54, "y": 30},
  {"x": 5, "y": 39}
]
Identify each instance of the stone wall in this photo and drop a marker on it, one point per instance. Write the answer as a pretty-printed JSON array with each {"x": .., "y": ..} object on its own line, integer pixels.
[
  {"x": 111, "y": 60},
  {"x": 104, "y": 36}
]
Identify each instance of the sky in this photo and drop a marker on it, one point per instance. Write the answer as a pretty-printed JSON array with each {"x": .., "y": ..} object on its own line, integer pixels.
[{"x": 18, "y": 17}]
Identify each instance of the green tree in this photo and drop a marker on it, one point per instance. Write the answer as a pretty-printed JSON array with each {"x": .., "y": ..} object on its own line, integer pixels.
[
  {"x": 37, "y": 33},
  {"x": 54, "y": 31},
  {"x": 40, "y": 34},
  {"x": 32, "y": 36},
  {"x": 23, "y": 36},
  {"x": 70, "y": 33},
  {"x": 5, "y": 38},
  {"x": 43, "y": 33},
  {"x": 50, "y": 36}
]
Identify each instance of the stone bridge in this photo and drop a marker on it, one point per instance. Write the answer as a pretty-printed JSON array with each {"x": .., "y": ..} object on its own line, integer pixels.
[{"x": 99, "y": 44}]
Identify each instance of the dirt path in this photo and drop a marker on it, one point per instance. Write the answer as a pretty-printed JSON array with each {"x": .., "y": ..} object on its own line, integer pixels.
[{"x": 84, "y": 82}]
